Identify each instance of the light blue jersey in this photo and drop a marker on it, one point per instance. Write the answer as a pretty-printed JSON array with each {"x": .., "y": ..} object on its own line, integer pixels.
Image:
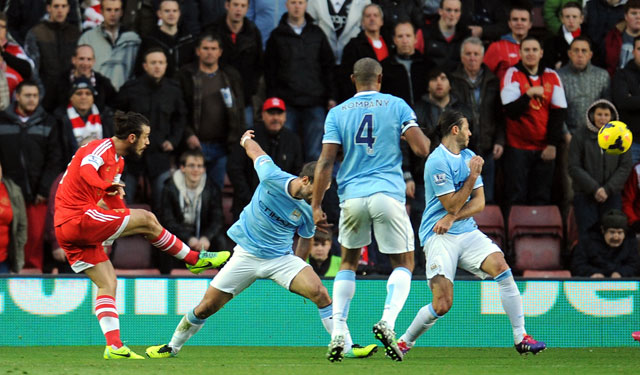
[
  {"x": 369, "y": 126},
  {"x": 444, "y": 173},
  {"x": 267, "y": 224}
]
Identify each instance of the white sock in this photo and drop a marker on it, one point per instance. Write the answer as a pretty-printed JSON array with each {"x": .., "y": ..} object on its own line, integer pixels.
[
  {"x": 188, "y": 326},
  {"x": 327, "y": 322},
  {"x": 425, "y": 319},
  {"x": 344, "y": 287},
  {"x": 398, "y": 287},
  {"x": 512, "y": 303}
]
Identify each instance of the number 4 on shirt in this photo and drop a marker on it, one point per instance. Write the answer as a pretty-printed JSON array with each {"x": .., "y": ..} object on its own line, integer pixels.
[{"x": 365, "y": 133}]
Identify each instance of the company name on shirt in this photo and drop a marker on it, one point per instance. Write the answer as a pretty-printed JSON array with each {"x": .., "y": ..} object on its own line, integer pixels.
[
  {"x": 362, "y": 104},
  {"x": 273, "y": 216}
]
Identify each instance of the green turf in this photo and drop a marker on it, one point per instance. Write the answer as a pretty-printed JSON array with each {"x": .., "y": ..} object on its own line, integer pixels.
[{"x": 196, "y": 360}]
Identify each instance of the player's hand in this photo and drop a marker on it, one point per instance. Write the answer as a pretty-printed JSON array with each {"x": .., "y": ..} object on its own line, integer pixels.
[
  {"x": 247, "y": 135},
  {"x": 193, "y": 142},
  {"x": 549, "y": 153},
  {"x": 616, "y": 275},
  {"x": 535, "y": 92},
  {"x": 320, "y": 219},
  {"x": 498, "y": 150},
  {"x": 597, "y": 275},
  {"x": 600, "y": 195},
  {"x": 475, "y": 166},
  {"x": 204, "y": 243},
  {"x": 411, "y": 189},
  {"x": 59, "y": 255},
  {"x": 167, "y": 146},
  {"x": 331, "y": 103},
  {"x": 443, "y": 225},
  {"x": 116, "y": 188}
]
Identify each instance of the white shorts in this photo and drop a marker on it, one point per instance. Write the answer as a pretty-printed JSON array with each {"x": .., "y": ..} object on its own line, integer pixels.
[
  {"x": 391, "y": 224},
  {"x": 446, "y": 252},
  {"x": 243, "y": 269}
]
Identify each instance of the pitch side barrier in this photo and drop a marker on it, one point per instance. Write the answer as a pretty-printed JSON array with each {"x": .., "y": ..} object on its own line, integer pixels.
[{"x": 58, "y": 310}]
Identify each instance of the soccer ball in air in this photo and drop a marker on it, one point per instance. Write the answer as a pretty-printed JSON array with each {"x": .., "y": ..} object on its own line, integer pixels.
[{"x": 615, "y": 138}]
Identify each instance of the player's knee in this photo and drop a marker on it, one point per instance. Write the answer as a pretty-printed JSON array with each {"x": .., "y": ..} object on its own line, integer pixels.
[
  {"x": 151, "y": 223},
  {"x": 320, "y": 295},
  {"x": 442, "y": 305}
]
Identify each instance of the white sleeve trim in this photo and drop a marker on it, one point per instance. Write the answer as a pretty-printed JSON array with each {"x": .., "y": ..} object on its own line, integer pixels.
[
  {"x": 93, "y": 160},
  {"x": 408, "y": 124},
  {"x": 445, "y": 193},
  {"x": 332, "y": 142},
  {"x": 511, "y": 89}
]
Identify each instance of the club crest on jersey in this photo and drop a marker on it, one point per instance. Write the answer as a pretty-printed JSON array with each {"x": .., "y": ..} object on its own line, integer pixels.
[
  {"x": 295, "y": 215},
  {"x": 439, "y": 179}
]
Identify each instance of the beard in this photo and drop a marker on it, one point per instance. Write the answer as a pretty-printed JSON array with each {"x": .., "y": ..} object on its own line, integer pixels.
[{"x": 131, "y": 152}]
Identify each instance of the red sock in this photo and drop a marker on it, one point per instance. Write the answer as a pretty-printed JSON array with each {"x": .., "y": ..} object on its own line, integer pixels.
[
  {"x": 171, "y": 244},
  {"x": 108, "y": 319}
]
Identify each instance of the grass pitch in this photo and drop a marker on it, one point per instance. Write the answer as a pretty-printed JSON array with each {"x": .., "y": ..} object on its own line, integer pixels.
[{"x": 196, "y": 360}]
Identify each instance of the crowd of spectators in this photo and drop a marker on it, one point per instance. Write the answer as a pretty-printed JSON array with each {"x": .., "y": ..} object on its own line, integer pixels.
[{"x": 535, "y": 91}]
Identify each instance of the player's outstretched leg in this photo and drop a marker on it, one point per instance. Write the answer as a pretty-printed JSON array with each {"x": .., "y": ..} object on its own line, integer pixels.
[
  {"x": 344, "y": 288},
  {"x": 208, "y": 260},
  {"x": 188, "y": 326},
  {"x": 636, "y": 335}
]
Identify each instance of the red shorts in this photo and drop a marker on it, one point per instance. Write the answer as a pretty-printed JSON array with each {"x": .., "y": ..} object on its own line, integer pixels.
[{"x": 82, "y": 237}]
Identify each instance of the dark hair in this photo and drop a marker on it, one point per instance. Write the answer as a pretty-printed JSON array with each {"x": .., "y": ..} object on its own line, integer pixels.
[
  {"x": 635, "y": 40},
  {"x": 194, "y": 153},
  {"x": 163, "y": 1},
  {"x": 210, "y": 37},
  {"x": 635, "y": 4},
  {"x": 402, "y": 21},
  {"x": 128, "y": 123},
  {"x": 436, "y": 72},
  {"x": 322, "y": 237},
  {"x": 571, "y": 4},
  {"x": 26, "y": 82},
  {"x": 49, "y": 2},
  {"x": 3, "y": 16},
  {"x": 308, "y": 170},
  {"x": 582, "y": 38},
  {"x": 366, "y": 70},
  {"x": 603, "y": 105},
  {"x": 448, "y": 119},
  {"x": 521, "y": 5},
  {"x": 153, "y": 50},
  {"x": 614, "y": 218},
  {"x": 531, "y": 37}
]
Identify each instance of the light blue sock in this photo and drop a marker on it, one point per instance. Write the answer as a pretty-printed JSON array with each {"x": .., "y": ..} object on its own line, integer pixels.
[
  {"x": 188, "y": 326},
  {"x": 398, "y": 287},
  {"x": 511, "y": 303},
  {"x": 425, "y": 319},
  {"x": 344, "y": 287}
]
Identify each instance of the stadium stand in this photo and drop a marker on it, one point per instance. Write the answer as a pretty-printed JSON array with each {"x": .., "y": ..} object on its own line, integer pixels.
[{"x": 491, "y": 222}]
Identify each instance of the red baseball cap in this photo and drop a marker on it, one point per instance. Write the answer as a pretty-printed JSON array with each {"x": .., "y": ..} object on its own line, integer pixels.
[{"x": 273, "y": 103}]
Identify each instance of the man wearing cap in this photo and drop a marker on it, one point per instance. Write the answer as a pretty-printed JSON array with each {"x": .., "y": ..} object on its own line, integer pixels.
[
  {"x": 81, "y": 121},
  {"x": 280, "y": 143},
  {"x": 609, "y": 253}
]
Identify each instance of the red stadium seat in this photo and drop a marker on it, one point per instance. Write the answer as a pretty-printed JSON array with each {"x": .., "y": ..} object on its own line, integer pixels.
[
  {"x": 572, "y": 230},
  {"x": 535, "y": 234},
  {"x": 491, "y": 222},
  {"x": 30, "y": 271},
  {"x": 558, "y": 274},
  {"x": 133, "y": 252}
]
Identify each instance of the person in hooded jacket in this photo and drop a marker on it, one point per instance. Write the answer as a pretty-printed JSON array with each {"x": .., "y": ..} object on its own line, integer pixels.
[{"x": 598, "y": 177}]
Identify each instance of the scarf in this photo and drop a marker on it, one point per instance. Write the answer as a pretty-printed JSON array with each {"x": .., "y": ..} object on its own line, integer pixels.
[{"x": 85, "y": 131}]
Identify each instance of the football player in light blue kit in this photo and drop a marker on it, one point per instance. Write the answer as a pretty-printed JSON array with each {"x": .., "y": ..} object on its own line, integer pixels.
[
  {"x": 368, "y": 127},
  {"x": 450, "y": 236},
  {"x": 264, "y": 236}
]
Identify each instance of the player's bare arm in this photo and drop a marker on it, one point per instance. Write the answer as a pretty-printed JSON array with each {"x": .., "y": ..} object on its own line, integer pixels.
[
  {"x": 453, "y": 202},
  {"x": 418, "y": 142},
  {"x": 303, "y": 248},
  {"x": 252, "y": 147},
  {"x": 322, "y": 179}
]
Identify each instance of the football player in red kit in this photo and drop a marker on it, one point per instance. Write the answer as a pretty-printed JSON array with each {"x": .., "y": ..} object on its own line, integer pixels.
[{"x": 90, "y": 213}]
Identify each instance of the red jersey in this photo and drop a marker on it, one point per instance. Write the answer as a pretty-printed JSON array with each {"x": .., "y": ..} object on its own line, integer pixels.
[
  {"x": 93, "y": 169},
  {"x": 502, "y": 55},
  {"x": 529, "y": 132}
]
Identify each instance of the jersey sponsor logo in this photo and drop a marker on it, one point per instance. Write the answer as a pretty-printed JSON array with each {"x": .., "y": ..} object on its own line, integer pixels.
[
  {"x": 274, "y": 216},
  {"x": 439, "y": 178}
]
